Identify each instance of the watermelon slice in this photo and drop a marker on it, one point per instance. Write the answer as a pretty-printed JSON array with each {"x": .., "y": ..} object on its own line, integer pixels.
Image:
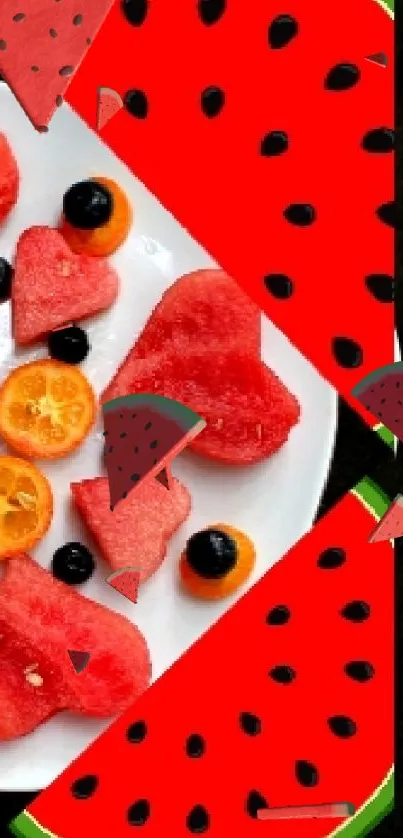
[
  {"x": 287, "y": 701},
  {"x": 126, "y": 582},
  {"x": 9, "y": 178},
  {"x": 391, "y": 524},
  {"x": 40, "y": 620},
  {"x": 142, "y": 434},
  {"x": 203, "y": 310},
  {"x": 136, "y": 533},
  {"x": 52, "y": 286},
  {"x": 248, "y": 410},
  {"x": 381, "y": 392},
  {"x": 41, "y": 47},
  {"x": 109, "y": 104}
]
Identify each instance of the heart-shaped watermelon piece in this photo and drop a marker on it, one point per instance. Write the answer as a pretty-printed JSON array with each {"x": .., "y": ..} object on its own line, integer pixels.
[{"x": 53, "y": 286}]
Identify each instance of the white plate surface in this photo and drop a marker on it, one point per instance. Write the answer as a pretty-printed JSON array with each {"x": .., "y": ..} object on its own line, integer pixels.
[{"x": 274, "y": 502}]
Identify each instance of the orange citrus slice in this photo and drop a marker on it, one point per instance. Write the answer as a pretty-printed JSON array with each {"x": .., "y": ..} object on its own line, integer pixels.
[
  {"x": 26, "y": 506},
  {"x": 106, "y": 239},
  {"x": 46, "y": 409}
]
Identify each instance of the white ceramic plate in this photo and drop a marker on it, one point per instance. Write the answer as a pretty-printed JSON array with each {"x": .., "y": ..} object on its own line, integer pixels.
[{"x": 274, "y": 502}]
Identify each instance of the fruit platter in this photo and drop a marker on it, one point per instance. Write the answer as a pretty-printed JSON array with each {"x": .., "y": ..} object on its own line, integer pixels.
[{"x": 105, "y": 298}]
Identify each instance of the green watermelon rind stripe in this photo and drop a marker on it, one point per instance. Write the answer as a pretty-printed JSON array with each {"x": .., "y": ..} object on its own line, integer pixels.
[
  {"x": 25, "y": 826},
  {"x": 168, "y": 408},
  {"x": 379, "y": 375},
  {"x": 372, "y": 497},
  {"x": 367, "y": 818},
  {"x": 386, "y": 435}
]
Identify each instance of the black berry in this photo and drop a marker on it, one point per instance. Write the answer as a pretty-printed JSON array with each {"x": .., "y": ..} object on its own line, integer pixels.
[
  {"x": 6, "y": 276},
  {"x": 136, "y": 103},
  {"x": 342, "y": 77},
  {"x": 278, "y": 616},
  {"x": 212, "y": 101},
  {"x": 282, "y": 30},
  {"x": 279, "y": 285},
  {"x": 88, "y": 205},
  {"x": 211, "y": 553},
  {"x": 274, "y": 144},
  {"x": 331, "y": 558},
  {"x": 84, "y": 787},
  {"x": 135, "y": 11},
  {"x": 342, "y": 726},
  {"x": 347, "y": 352},
  {"x": 381, "y": 286},
  {"x": 379, "y": 141},
  {"x": 302, "y": 215},
  {"x": 70, "y": 345},
  {"x": 210, "y": 11},
  {"x": 73, "y": 563},
  {"x": 306, "y": 773},
  {"x": 198, "y": 820}
]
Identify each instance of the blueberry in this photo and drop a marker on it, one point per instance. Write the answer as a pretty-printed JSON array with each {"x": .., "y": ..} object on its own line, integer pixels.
[
  {"x": 6, "y": 275},
  {"x": 69, "y": 345},
  {"x": 211, "y": 553},
  {"x": 73, "y": 563},
  {"x": 88, "y": 205}
]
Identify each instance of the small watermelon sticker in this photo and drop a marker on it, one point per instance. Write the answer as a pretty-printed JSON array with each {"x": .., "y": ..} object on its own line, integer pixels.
[
  {"x": 126, "y": 581},
  {"x": 381, "y": 392},
  {"x": 109, "y": 104},
  {"x": 391, "y": 524},
  {"x": 143, "y": 433}
]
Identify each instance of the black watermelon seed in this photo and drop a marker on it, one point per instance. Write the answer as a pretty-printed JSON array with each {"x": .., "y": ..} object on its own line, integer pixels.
[
  {"x": 359, "y": 671},
  {"x": 212, "y": 101},
  {"x": 210, "y": 11},
  {"x": 302, "y": 215},
  {"x": 135, "y": 11},
  {"x": 282, "y": 674},
  {"x": 250, "y": 724},
  {"x": 154, "y": 443},
  {"x": 278, "y": 616},
  {"x": 331, "y": 558},
  {"x": 381, "y": 286},
  {"x": 136, "y": 449},
  {"x": 342, "y": 77},
  {"x": 279, "y": 285},
  {"x": 137, "y": 732},
  {"x": 379, "y": 141},
  {"x": 195, "y": 746},
  {"x": 148, "y": 426},
  {"x": 306, "y": 773},
  {"x": 136, "y": 102},
  {"x": 135, "y": 478},
  {"x": 122, "y": 436},
  {"x": 274, "y": 144},
  {"x": 139, "y": 813},
  {"x": 387, "y": 213},
  {"x": 198, "y": 820},
  {"x": 282, "y": 30},
  {"x": 255, "y": 802},
  {"x": 84, "y": 787},
  {"x": 342, "y": 726},
  {"x": 110, "y": 449},
  {"x": 356, "y": 611},
  {"x": 347, "y": 352}
]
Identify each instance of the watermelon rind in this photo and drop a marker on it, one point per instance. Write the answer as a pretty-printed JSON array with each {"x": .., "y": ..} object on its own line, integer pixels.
[
  {"x": 171, "y": 409},
  {"x": 377, "y": 376},
  {"x": 25, "y": 826},
  {"x": 386, "y": 435},
  {"x": 368, "y": 816}
]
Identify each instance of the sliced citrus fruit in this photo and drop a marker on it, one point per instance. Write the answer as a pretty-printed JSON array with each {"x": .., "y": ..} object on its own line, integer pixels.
[
  {"x": 26, "y": 506},
  {"x": 105, "y": 239},
  {"x": 46, "y": 409}
]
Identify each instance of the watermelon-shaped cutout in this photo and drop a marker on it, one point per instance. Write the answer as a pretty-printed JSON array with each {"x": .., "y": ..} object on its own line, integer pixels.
[
  {"x": 249, "y": 412},
  {"x": 78, "y": 659},
  {"x": 126, "y": 582},
  {"x": 203, "y": 310},
  {"x": 286, "y": 701},
  {"x": 137, "y": 531},
  {"x": 42, "y": 46},
  {"x": 284, "y": 148},
  {"x": 52, "y": 286},
  {"x": 40, "y": 620},
  {"x": 379, "y": 58},
  {"x": 9, "y": 178},
  {"x": 109, "y": 104},
  {"x": 142, "y": 434},
  {"x": 381, "y": 392},
  {"x": 391, "y": 524}
]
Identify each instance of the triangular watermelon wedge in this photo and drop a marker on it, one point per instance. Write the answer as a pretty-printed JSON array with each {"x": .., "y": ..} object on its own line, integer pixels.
[
  {"x": 381, "y": 392},
  {"x": 391, "y": 524},
  {"x": 126, "y": 581},
  {"x": 109, "y": 104},
  {"x": 287, "y": 701}
]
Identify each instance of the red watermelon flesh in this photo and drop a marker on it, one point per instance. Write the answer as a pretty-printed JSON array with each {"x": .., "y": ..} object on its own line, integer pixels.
[
  {"x": 9, "y": 178},
  {"x": 248, "y": 410},
  {"x": 42, "y": 619},
  {"x": 206, "y": 310},
  {"x": 288, "y": 700},
  {"x": 136, "y": 533},
  {"x": 53, "y": 286}
]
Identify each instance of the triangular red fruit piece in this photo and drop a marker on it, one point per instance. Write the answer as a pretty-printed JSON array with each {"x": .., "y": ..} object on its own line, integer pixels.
[
  {"x": 298, "y": 668},
  {"x": 391, "y": 524},
  {"x": 378, "y": 58},
  {"x": 78, "y": 659},
  {"x": 109, "y": 104},
  {"x": 42, "y": 46},
  {"x": 126, "y": 581},
  {"x": 53, "y": 286},
  {"x": 164, "y": 478},
  {"x": 143, "y": 432},
  {"x": 381, "y": 392}
]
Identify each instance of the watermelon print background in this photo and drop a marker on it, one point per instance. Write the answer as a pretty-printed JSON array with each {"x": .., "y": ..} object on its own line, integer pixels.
[{"x": 210, "y": 172}]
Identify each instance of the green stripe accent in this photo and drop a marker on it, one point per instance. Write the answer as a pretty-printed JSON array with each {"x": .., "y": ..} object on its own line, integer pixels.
[
  {"x": 386, "y": 435},
  {"x": 372, "y": 813},
  {"x": 372, "y": 496},
  {"x": 25, "y": 826}
]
